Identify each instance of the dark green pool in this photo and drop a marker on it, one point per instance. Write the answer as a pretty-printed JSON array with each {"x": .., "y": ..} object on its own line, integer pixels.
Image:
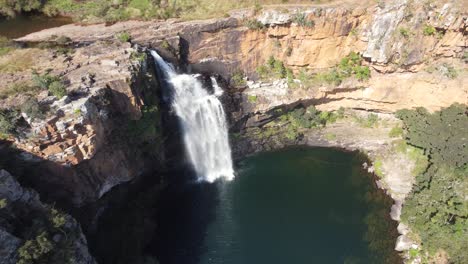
[{"x": 294, "y": 206}]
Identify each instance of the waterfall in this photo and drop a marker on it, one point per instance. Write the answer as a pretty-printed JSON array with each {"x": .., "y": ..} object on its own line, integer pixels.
[{"x": 203, "y": 121}]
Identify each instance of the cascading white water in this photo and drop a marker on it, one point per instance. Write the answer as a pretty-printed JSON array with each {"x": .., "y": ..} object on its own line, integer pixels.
[{"x": 203, "y": 122}]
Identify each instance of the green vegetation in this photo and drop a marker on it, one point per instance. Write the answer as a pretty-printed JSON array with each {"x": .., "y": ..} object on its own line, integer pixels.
[
  {"x": 274, "y": 69},
  {"x": 330, "y": 136},
  {"x": 8, "y": 119},
  {"x": 415, "y": 154},
  {"x": 349, "y": 66},
  {"x": 17, "y": 60},
  {"x": 429, "y": 30},
  {"x": 445, "y": 69},
  {"x": 57, "y": 89},
  {"x": 404, "y": 32},
  {"x": 449, "y": 71},
  {"x": 124, "y": 37},
  {"x": 3, "y": 203},
  {"x": 53, "y": 84},
  {"x": 19, "y": 88},
  {"x": 91, "y": 11},
  {"x": 309, "y": 117},
  {"x": 237, "y": 79},
  {"x": 32, "y": 109},
  {"x": 378, "y": 167},
  {"x": 370, "y": 121},
  {"x": 252, "y": 98},
  {"x": 254, "y": 24},
  {"x": 39, "y": 247},
  {"x": 138, "y": 56},
  {"x": 302, "y": 20},
  {"x": 396, "y": 132},
  {"x": 35, "y": 249},
  {"x": 5, "y": 46},
  {"x": 436, "y": 209}
]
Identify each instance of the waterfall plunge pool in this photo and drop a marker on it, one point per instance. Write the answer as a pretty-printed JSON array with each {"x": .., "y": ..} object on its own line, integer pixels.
[{"x": 298, "y": 206}]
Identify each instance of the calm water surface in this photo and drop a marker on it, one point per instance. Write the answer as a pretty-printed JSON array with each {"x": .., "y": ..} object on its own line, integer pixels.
[
  {"x": 22, "y": 25},
  {"x": 294, "y": 206}
]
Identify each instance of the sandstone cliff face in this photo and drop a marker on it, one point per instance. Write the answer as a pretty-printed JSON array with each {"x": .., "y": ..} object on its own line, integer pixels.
[
  {"x": 21, "y": 207},
  {"x": 409, "y": 46}
]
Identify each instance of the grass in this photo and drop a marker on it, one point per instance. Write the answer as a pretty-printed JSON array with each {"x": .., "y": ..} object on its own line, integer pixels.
[
  {"x": 124, "y": 37},
  {"x": 330, "y": 136},
  {"x": 92, "y": 11},
  {"x": 378, "y": 167},
  {"x": 18, "y": 60},
  {"x": 396, "y": 132},
  {"x": 372, "y": 120},
  {"x": 19, "y": 88},
  {"x": 415, "y": 154}
]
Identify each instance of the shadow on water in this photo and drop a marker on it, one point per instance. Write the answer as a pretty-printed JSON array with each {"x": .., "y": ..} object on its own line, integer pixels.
[{"x": 187, "y": 209}]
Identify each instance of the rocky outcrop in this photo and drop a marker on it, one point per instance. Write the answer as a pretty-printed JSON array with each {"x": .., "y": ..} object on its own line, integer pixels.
[
  {"x": 23, "y": 217},
  {"x": 88, "y": 141}
]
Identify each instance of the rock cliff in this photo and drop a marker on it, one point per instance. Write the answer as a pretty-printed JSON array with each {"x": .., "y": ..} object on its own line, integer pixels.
[
  {"x": 31, "y": 230},
  {"x": 415, "y": 50}
]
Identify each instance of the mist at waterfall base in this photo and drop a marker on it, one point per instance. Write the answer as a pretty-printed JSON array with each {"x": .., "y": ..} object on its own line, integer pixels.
[
  {"x": 294, "y": 206},
  {"x": 203, "y": 121}
]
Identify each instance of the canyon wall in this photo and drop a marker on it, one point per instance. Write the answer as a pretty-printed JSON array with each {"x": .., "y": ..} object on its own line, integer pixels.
[{"x": 409, "y": 46}]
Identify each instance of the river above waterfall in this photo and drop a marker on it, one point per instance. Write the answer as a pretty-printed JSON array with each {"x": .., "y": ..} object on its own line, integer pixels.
[
  {"x": 298, "y": 206},
  {"x": 22, "y": 25}
]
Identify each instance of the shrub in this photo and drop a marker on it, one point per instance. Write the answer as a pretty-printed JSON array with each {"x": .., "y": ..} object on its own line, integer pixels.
[
  {"x": 429, "y": 30},
  {"x": 449, "y": 71},
  {"x": 53, "y": 84},
  {"x": 404, "y": 32},
  {"x": 57, "y": 218},
  {"x": 44, "y": 81},
  {"x": 32, "y": 109},
  {"x": 274, "y": 69},
  {"x": 341, "y": 112},
  {"x": 378, "y": 168},
  {"x": 8, "y": 119},
  {"x": 3, "y": 203},
  {"x": 254, "y": 24},
  {"x": 237, "y": 78},
  {"x": 396, "y": 132},
  {"x": 57, "y": 89},
  {"x": 124, "y": 37},
  {"x": 63, "y": 40},
  {"x": 252, "y": 98},
  {"x": 302, "y": 20},
  {"x": 34, "y": 249}
]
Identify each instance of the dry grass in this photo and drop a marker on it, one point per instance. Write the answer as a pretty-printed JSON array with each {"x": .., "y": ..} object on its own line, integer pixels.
[
  {"x": 18, "y": 60},
  {"x": 203, "y": 9},
  {"x": 14, "y": 89}
]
